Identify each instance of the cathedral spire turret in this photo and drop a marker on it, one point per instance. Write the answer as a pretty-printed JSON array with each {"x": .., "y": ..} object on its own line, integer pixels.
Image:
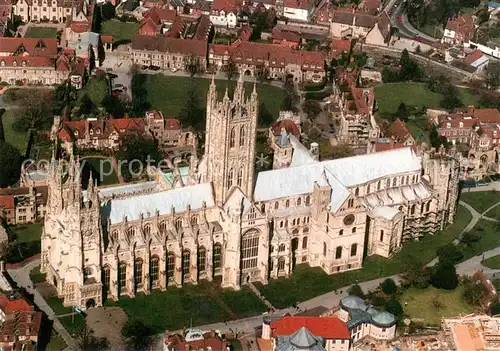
[{"x": 239, "y": 93}]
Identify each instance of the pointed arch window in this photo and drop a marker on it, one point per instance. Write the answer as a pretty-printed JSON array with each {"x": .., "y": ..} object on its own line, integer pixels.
[
  {"x": 240, "y": 176},
  {"x": 178, "y": 224},
  {"x": 230, "y": 177},
  {"x": 276, "y": 205},
  {"x": 356, "y": 192},
  {"x": 304, "y": 242},
  {"x": 170, "y": 266},
  {"x": 250, "y": 249},
  {"x": 130, "y": 233},
  {"x": 412, "y": 209},
  {"x": 114, "y": 236},
  {"x": 308, "y": 200},
  {"x": 147, "y": 229},
  {"x": 138, "y": 272},
  {"x": 154, "y": 270},
  {"x": 106, "y": 277},
  {"x": 281, "y": 264},
  {"x": 202, "y": 259},
  {"x": 194, "y": 220},
  {"x": 242, "y": 136},
  {"x": 122, "y": 276},
  {"x": 394, "y": 181},
  {"x": 299, "y": 201},
  {"x": 381, "y": 235},
  {"x": 163, "y": 227},
  {"x": 263, "y": 208},
  {"x": 232, "y": 137},
  {"x": 324, "y": 249},
  {"x": 354, "y": 249},
  {"x": 217, "y": 257},
  {"x": 338, "y": 252},
  {"x": 287, "y": 203},
  {"x": 186, "y": 261}
]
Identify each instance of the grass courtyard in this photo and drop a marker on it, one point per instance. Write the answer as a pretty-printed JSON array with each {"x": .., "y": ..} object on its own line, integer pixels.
[
  {"x": 201, "y": 304},
  {"x": 96, "y": 89},
  {"x": 168, "y": 93},
  {"x": 390, "y": 96},
  {"x": 306, "y": 283},
  {"x": 37, "y": 277},
  {"x": 492, "y": 262},
  {"x": 120, "y": 30},
  {"x": 41, "y": 32},
  {"x": 490, "y": 238},
  {"x": 482, "y": 200},
  {"x": 18, "y": 140},
  {"x": 26, "y": 233},
  {"x": 431, "y": 304},
  {"x": 102, "y": 170}
]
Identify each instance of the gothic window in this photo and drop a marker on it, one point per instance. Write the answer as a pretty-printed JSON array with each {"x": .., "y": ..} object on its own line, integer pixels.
[
  {"x": 381, "y": 235},
  {"x": 202, "y": 259},
  {"x": 298, "y": 221},
  {"x": 287, "y": 203},
  {"x": 281, "y": 264},
  {"x": 407, "y": 180},
  {"x": 178, "y": 224},
  {"x": 324, "y": 249},
  {"x": 338, "y": 252},
  {"x": 387, "y": 183},
  {"x": 154, "y": 269},
  {"x": 341, "y": 232},
  {"x": 217, "y": 256},
  {"x": 394, "y": 181},
  {"x": 163, "y": 227},
  {"x": 368, "y": 189},
  {"x": 271, "y": 249},
  {"x": 194, "y": 220},
  {"x": 87, "y": 272},
  {"x": 354, "y": 230},
  {"x": 349, "y": 219},
  {"x": 293, "y": 221},
  {"x": 240, "y": 176},
  {"x": 428, "y": 206},
  {"x": 114, "y": 236},
  {"x": 350, "y": 203},
  {"x": 242, "y": 136},
  {"x": 412, "y": 209},
  {"x": 130, "y": 233},
  {"x": 252, "y": 214},
  {"x": 308, "y": 200},
  {"x": 122, "y": 276},
  {"x": 281, "y": 248},
  {"x": 276, "y": 205},
  {"x": 138, "y": 272},
  {"x": 263, "y": 208},
  {"x": 271, "y": 265},
  {"x": 304, "y": 242},
  {"x": 281, "y": 224},
  {"x": 249, "y": 249},
  {"x": 354, "y": 249},
  {"x": 170, "y": 266},
  {"x": 186, "y": 261},
  {"x": 147, "y": 229},
  {"x": 232, "y": 137},
  {"x": 230, "y": 176},
  {"x": 356, "y": 191},
  {"x": 299, "y": 201},
  {"x": 378, "y": 185},
  {"x": 106, "y": 277},
  {"x": 305, "y": 230}
]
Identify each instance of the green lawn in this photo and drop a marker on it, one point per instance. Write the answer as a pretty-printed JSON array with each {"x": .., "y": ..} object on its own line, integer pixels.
[
  {"x": 73, "y": 326},
  {"x": 27, "y": 232},
  {"x": 236, "y": 344},
  {"x": 306, "y": 282},
  {"x": 418, "y": 128},
  {"x": 37, "y": 277},
  {"x": 390, "y": 96},
  {"x": 101, "y": 166},
  {"x": 18, "y": 140},
  {"x": 433, "y": 304},
  {"x": 119, "y": 30},
  {"x": 490, "y": 238},
  {"x": 201, "y": 304},
  {"x": 168, "y": 93},
  {"x": 482, "y": 200},
  {"x": 41, "y": 32},
  {"x": 56, "y": 342},
  {"x": 57, "y": 305},
  {"x": 492, "y": 262},
  {"x": 96, "y": 89}
]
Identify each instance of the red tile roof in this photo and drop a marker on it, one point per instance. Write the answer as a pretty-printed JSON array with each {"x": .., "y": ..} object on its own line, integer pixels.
[
  {"x": 148, "y": 27},
  {"x": 171, "y": 45},
  {"x": 463, "y": 26},
  {"x": 326, "y": 327},
  {"x": 7, "y": 202},
  {"x": 80, "y": 27},
  {"x": 297, "y": 4},
  {"x": 476, "y": 55},
  {"x": 107, "y": 38},
  {"x": 339, "y": 46},
  {"x": 391, "y": 146},
  {"x": 9, "y": 306},
  {"x": 284, "y": 35},
  {"x": 27, "y": 61},
  {"x": 29, "y": 46},
  {"x": 160, "y": 15},
  {"x": 399, "y": 131},
  {"x": 289, "y": 126},
  {"x": 226, "y": 5},
  {"x": 101, "y": 129},
  {"x": 172, "y": 124}
]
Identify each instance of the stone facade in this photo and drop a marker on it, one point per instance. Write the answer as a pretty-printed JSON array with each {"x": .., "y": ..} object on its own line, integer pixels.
[
  {"x": 210, "y": 219},
  {"x": 48, "y": 10}
]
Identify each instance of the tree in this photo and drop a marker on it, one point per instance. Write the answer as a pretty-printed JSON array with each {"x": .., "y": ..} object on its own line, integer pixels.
[
  {"x": 231, "y": 69},
  {"x": 114, "y": 106},
  {"x": 355, "y": 290},
  {"x": 101, "y": 54},
  {"x": 34, "y": 110},
  {"x": 312, "y": 108},
  {"x": 415, "y": 273},
  {"x": 475, "y": 292},
  {"x": 495, "y": 309},
  {"x": 136, "y": 153},
  {"x": 2, "y": 133},
  {"x": 140, "y": 103},
  {"x": 88, "y": 342},
  {"x": 445, "y": 277},
  {"x": 328, "y": 151},
  {"x": 394, "y": 307},
  {"x": 493, "y": 79},
  {"x": 97, "y": 20},
  {"x": 63, "y": 96},
  {"x": 193, "y": 113},
  {"x": 291, "y": 97},
  {"x": 86, "y": 105},
  {"x": 389, "y": 287},
  {"x": 409, "y": 69},
  {"x": 107, "y": 11},
  {"x": 402, "y": 112},
  {"x": 435, "y": 139},
  {"x": 91, "y": 58},
  {"x": 192, "y": 65},
  {"x": 469, "y": 238},
  {"x": 262, "y": 73},
  {"x": 10, "y": 164},
  {"x": 137, "y": 335},
  {"x": 449, "y": 254},
  {"x": 265, "y": 117},
  {"x": 451, "y": 98}
]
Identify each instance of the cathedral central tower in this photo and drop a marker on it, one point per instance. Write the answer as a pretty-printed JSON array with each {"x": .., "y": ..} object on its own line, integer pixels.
[{"x": 230, "y": 140}]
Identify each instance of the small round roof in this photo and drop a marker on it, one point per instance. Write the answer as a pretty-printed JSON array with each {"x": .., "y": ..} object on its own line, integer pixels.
[
  {"x": 351, "y": 302},
  {"x": 384, "y": 319}
]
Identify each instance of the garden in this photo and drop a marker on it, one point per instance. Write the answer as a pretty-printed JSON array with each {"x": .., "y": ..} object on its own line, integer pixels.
[
  {"x": 121, "y": 31},
  {"x": 17, "y": 139},
  {"x": 41, "y": 32}
]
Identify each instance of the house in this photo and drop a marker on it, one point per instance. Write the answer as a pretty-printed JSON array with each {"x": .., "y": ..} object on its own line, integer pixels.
[
  {"x": 473, "y": 332},
  {"x": 87, "y": 41},
  {"x": 50, "y": 10},
  {"x": 381, "y": 32},
  {"x": 297, "y": 10},
  {"x": 156, "y": 21},
  {"x": 224, "y": 13},
  {"x": 23, "y": 205},
  {"x": 339, "y": 46},
  {"x": 284, "y": 37},
  {"x": 477, "y": 61},
  {"x": 399, "y": 131},
  {"x": 275, "y": 60},
  {"x": 194, "y": 339},
  {"x": 365, "y": 321},
  {"x": 351, "y": 24},
  {"x": 459, "y": 30},
  {"x": 385, "y": 144},
  {"x": 168, "y": 131},
  {"x": 40, "y": 47},
  {"x": 5, "y": 10},
  {"x": 306, "y": 333},
  {"x": 372, "y": 7}
]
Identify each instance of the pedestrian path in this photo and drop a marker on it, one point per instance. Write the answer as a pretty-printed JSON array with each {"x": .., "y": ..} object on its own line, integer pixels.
[{"x": 260, "y": 296}]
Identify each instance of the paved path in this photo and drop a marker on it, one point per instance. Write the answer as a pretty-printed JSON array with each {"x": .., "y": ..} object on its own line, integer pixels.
[
  {"x": 260, "y": 296},
  {"x": 22, "y": 277}
]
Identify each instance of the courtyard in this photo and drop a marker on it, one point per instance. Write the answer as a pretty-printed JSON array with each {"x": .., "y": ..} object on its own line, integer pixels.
[
  {"x": 41, "y": 32},
  {"x": 102, "y": 171},
  {"x": 17, "y": 139},
  {"x": 430, "y": 305},
  {"x": 176, "y": 88},
  {"x": 121, "y": 31},
  {"x": 482, "y": 200}
]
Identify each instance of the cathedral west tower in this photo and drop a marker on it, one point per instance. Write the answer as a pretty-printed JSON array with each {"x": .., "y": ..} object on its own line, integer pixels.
[{"x": 230, "y": 141}]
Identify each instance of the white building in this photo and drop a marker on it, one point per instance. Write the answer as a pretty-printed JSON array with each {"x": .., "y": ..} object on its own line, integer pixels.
[{"x": 297, "y": 9}]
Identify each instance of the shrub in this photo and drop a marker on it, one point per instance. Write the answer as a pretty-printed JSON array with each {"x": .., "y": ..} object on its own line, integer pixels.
[
  {"x": 394, "y": 307},
  {"x": 470, "y": 238},
  {"x": 495, "y": 309},
  {"x": 445, "y": 277},
  {"x": 389, "y": 287},
  {"x": 356, "y": 290},
  {"x": 449, "y": 254}
]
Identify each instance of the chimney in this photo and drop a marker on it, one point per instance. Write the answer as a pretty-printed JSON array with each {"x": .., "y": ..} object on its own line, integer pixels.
[{"x": 266, "y": 328}]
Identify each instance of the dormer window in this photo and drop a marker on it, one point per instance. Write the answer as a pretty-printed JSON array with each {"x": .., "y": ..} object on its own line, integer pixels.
[
  {"x": 461, "y": 124},
  {"x": 14, "y": 63},
  {"x": 448, "y": 125},
  {"x": 98, "y": 131},
  {"x": 2, "y": 63},
  {"x": 24, "y": 63}
]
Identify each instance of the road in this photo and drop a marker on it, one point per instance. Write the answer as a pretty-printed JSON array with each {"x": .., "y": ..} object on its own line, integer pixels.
[{"x": 405, "y": 27}]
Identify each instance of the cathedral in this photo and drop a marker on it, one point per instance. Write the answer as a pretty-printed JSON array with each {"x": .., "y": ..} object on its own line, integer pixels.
[{"x": 212, "y": 220}]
